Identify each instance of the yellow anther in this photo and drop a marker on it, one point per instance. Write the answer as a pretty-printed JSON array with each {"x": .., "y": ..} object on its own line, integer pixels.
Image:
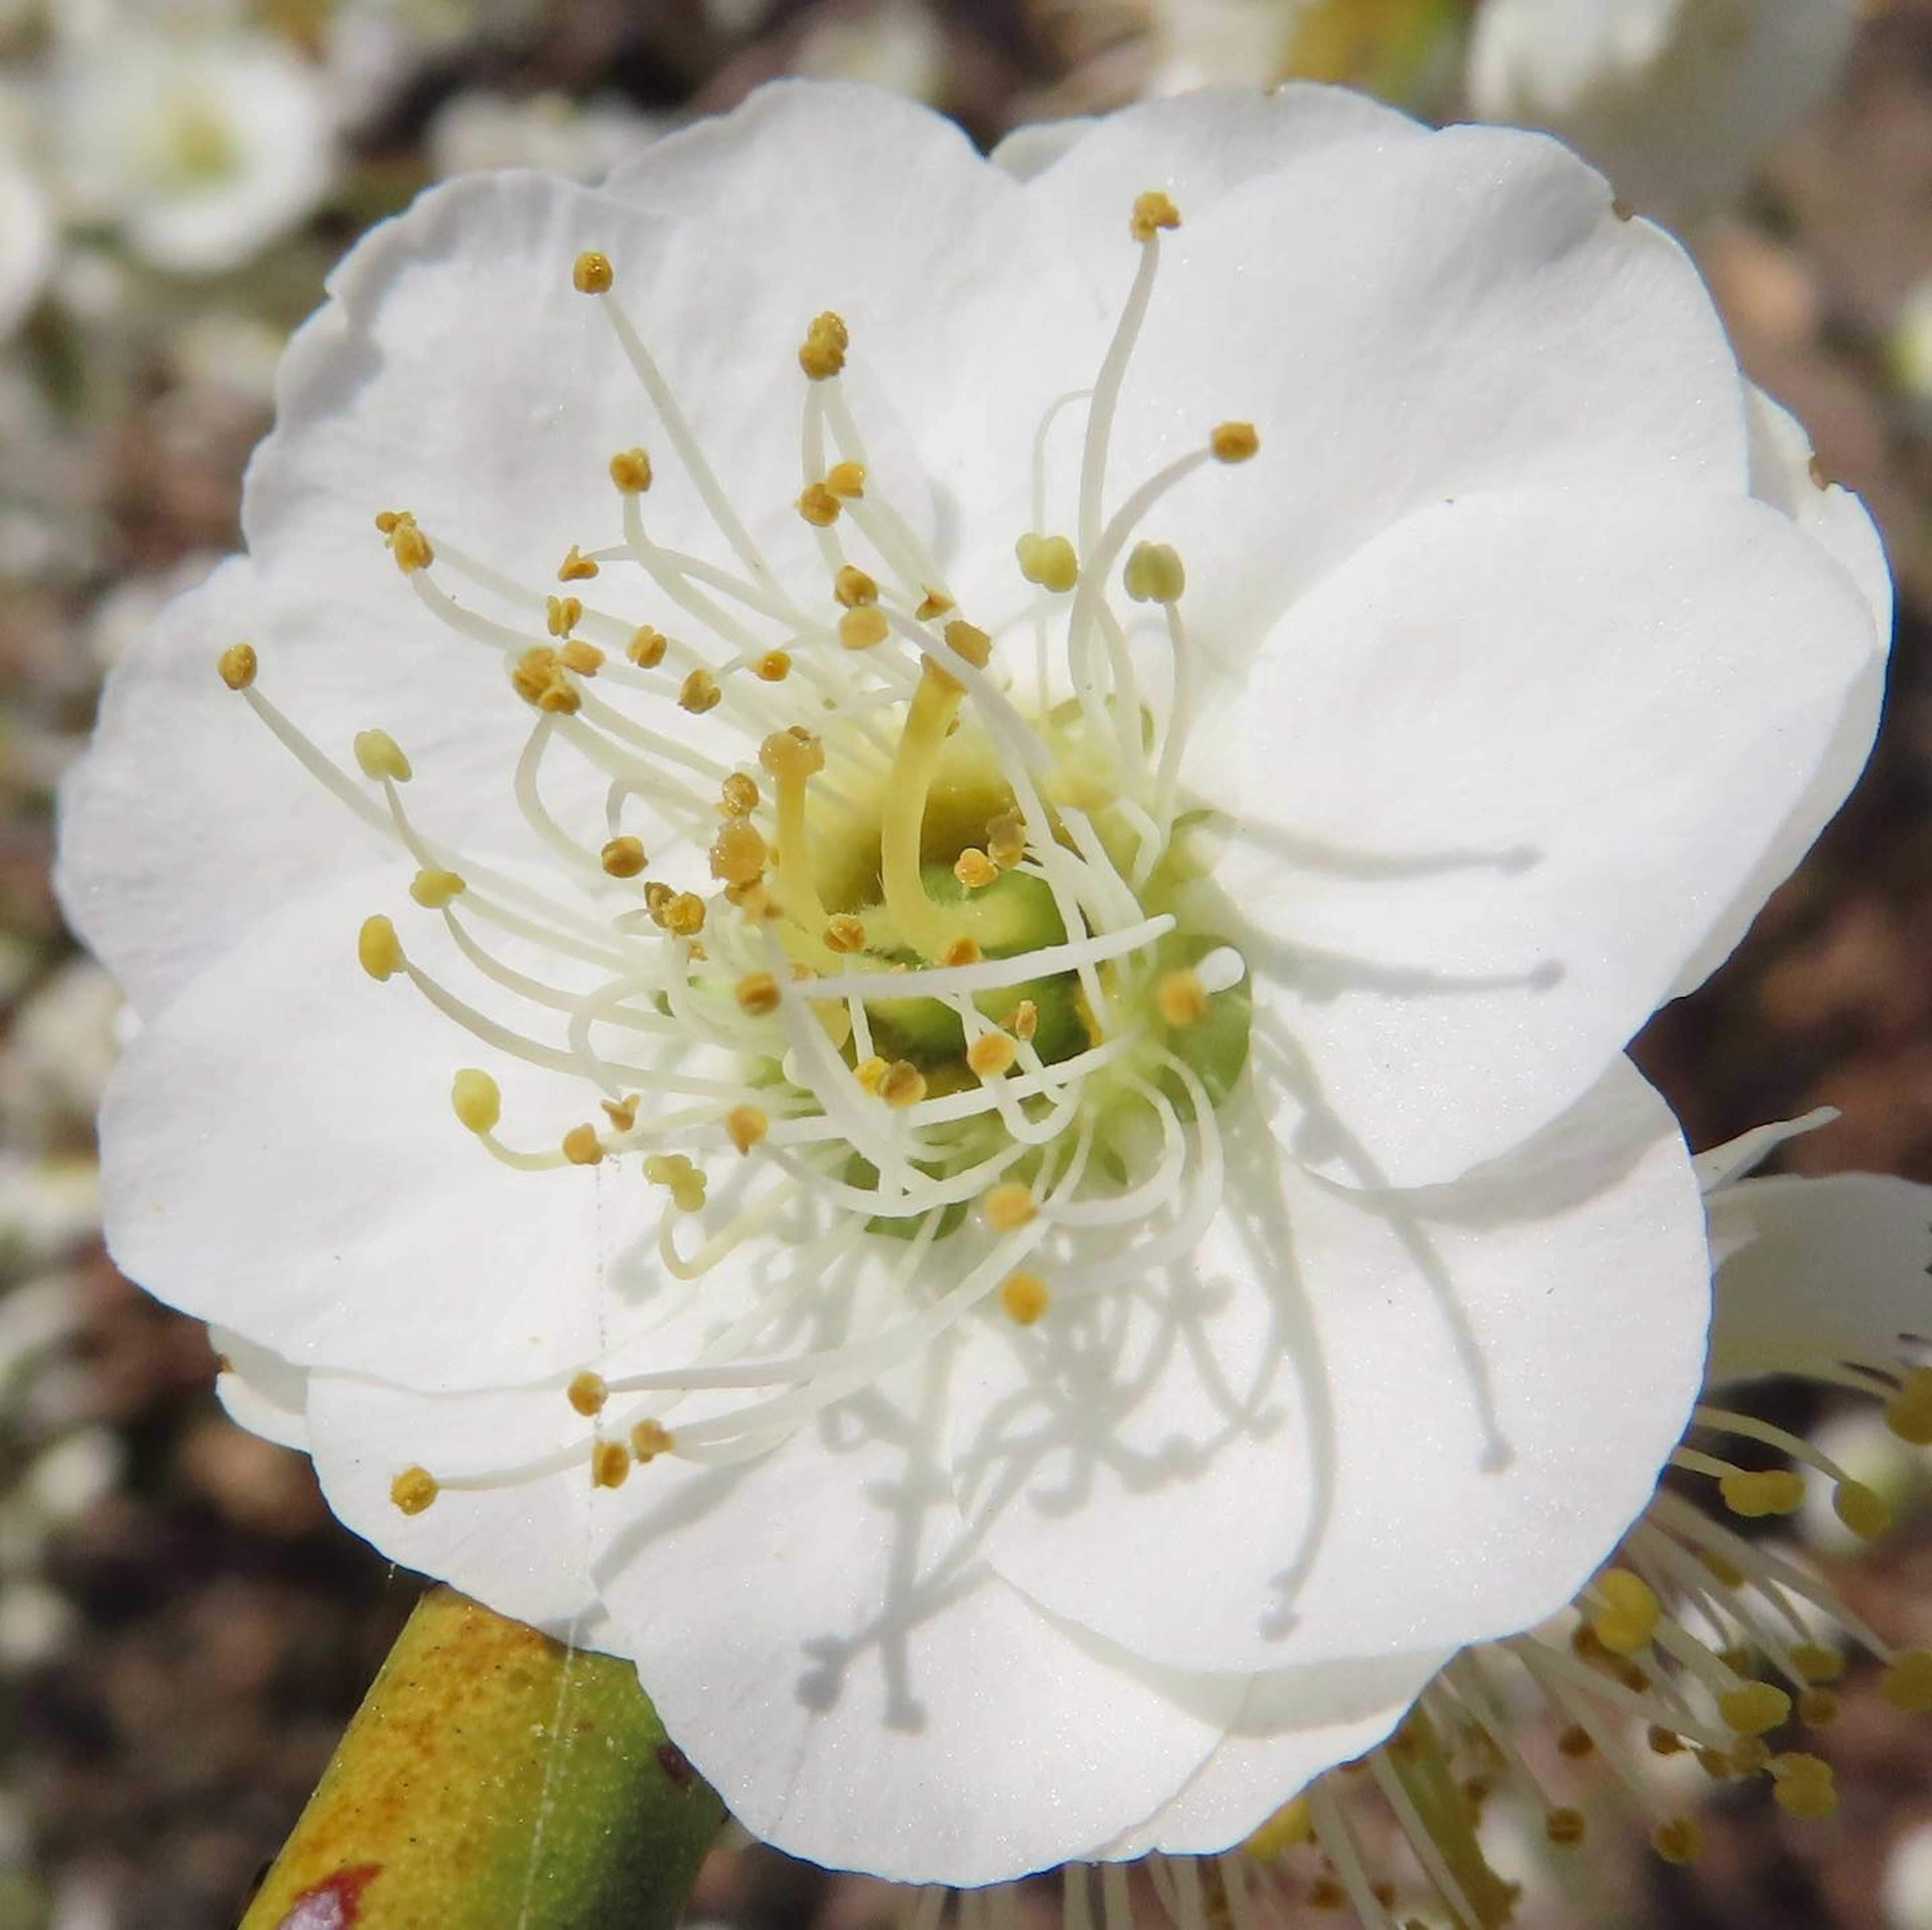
[
  {"x": 1862, "y": 1509},
  {"x": 869, "y": 1073},
  {"x": 757, "y": 993},
  {"x": 773, "y": 667},
  {"x": 1726, "y": 1573},
  {"x": 1006, "y": 840},
  {"x": 237, "y": 666},
  {"x": 969, "y": 641},
  {"x": 846, "y": 480},
  {"x": 1576, "y": 1743},
  {"x": 585, "y": 659},
  {"x": 378, "y": 755},
  {"x": 739, "y": 852},
  {"x": 792, "y": 754},
  {"x": 1820, "y": 1708},
  {"x": 684, "y": 915},
  {"x": 934, "y": 603},
  {"x": 1754, "y": 1708},
  {"x": 818, "y": 506},
  {"x": 822, "y": 353},
  {"x": 1152, "y": 211},
  {"x": 861, "y": 629},
  {"x": 622, "y": 857},
  {"x": 845, "y": 933},
  {"x": 1023, "y": 1297},
  {"x": 1907, "y": 1684},
  {"x": 974, "y": 870},
  {"x": 432, "y": 889},
  {"x": 1182, "y": 998},
  {"x": 961, "y": 951},
  {"x": 413, "y": 1490},
  {"x": 622, "y": 1113},
  {"x": 587, "y": 1393},
  {"x": 1774, "y": 1491},
  {"x": 668, "y": 1169},
  {"x": 658, "y": 896},
  {"x": 1010, "y": 1205},
  {"x": 1327, "y": 1893},
  {"x": 1563, "y": 1827},
  {"x": 631, "y": 471},
  {"x": 582, "y": 1147},
  {"x": 388, "y": 521},
  {"x": 1909, "y": 1414},
  {"x": 410, "y": 548},
  {"x": 646, "y": 647},
  {"x": 1817, "y": 1663},
  {"x": 1626, "y": 1618},
  {"x": 1048, "y": 560},
  {"x": 1802, "y": 1786},
  {"x": 1717, "y": 1764},
  {"x": 538, "y": 677},
  {"x": 1663, "y": 1741},
  {"x": 476, "y": 1100},
  {"x": 687, "y": 1195},
  {"x": 738, "y": 794},
  {"x": 854, "y": 587},
  {"x": 609, "y": 1465},
  {"x": 1678, "y": 1840},
  {"x": 576, "y": 568},
  {"x": 991, "y": 1054},
  {"x": 1153, "y": 574},
  {"x": 1024, "y": 1019},
  {"x": 902, "y": 1084},
  {"x": 561, "y": 614},
  {"x": 699, "y": 693},
  {"x": 1234, "y": 441},
  {"x": 649, "y": 1439},
  {"x": 591, "y": 273},
  {"x": 1288, "y": 1829},
  {"x": 745, "y": 1126},
  {"x": 378, "y": 949}
]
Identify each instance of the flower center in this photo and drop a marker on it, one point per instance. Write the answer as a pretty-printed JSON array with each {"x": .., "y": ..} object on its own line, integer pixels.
[{"x": 879, "y": 934}]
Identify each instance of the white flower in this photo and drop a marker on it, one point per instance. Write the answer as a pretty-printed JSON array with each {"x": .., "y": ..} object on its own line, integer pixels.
[
  {"x": 582, "y": 140},
  {"x": 1676, "y": 100},
  {"x": 1092, "y": 1376},
  {"x": 1398, "y": 49},
  {"x": 202, "y": 145},
  {"x": 27, "y": 243}
]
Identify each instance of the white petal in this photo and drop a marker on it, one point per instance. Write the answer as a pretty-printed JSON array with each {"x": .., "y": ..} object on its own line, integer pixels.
[
  {"x": 829, "y": 1648},
  {"x": 1494, "y": 780},
  {"x": 1718, "y": 1166},
  {"x": 281, "y": 1157},
  {"x": 1833, "y": 1269},
  {"x": 261, "y": 1390},
  {"x": 1439, "y": 1410}
]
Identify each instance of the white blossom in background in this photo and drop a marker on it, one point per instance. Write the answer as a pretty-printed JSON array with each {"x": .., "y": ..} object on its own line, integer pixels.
[
  {"x": 1403, "y": 50},
  {"x": 199, "y": 145},
  {"x": 895, "y": 44},
  {"x": 28, "y": 238},
  {"x": 1024, "y": 840},
  {"x": 1678, "y": 101},
  {"x": 580, "y": 140},
  {"x": 1909, "y": 350}
]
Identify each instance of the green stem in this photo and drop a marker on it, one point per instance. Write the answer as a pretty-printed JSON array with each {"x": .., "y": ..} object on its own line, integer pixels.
[{"x": 494, "y": 1777}]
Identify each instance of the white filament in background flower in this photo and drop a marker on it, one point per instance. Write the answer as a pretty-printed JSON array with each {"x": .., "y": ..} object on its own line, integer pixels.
[{"x": 872, "y": 940}]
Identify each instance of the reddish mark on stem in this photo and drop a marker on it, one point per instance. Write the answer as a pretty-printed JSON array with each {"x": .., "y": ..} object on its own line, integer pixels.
[
  {"x": 335, "y": 1903},
  {"x": 675, "y": 1763}
]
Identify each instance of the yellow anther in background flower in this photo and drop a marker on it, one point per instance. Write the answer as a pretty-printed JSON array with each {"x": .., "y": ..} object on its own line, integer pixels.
[
  {"x": 1907, "y": 1684},
  {"x": 1801, "y": 1785},
  {"x": 538, "y": 677},
  {"x": 622, "y": 1113},
  {"x": 699, "y": 693},
  {"x": 237, "y": 666},
  {"x": 845, "y": 933},
  {"x": 1862, "y": 1509},
  {"x": 846, "y": 480},
  {"x": 822, "y": 353},
  {"x": 433, "y": 889},
  {"x": 818, "y": 505},
  {"x": 869, "y": 1072},
  {"x": 378, "y": 949},
  {"x": 934, "y": 603},
  {"x": 476, "y": 1100},
  {"x": 738, "y": 794},
  {"x": 576, "y": 568},
  {"x": 1726, "y": 1573},
  {"x": 961, "y": 951},
  {"x": 1820, "y": 1708},
  {"x": 609, "y": 1465},
  {"x": 854, "y": 587},
  {"x": 1817, "y": 1663},
  {"x": 1754, "y": 1708},
  {"x": 1234, "y": 441},
  {"x": 646, "y": 647},
  {"x": 1024, "y": 1019},
  {"x": 1182, "y": 998},
  {"x": 792, "y": 754},
  {"x": 745, "y": 1126},
  {"x": 1154, "y": 574},
  {"x": 1048, "y": 560},
  {"x": 631, "y": 471},
  {"x": 1024, "y": 1297},
  {"x": 974, "y": 870},
  {"x": 1909, "y": 1414},
  {"x": 413, "y": 1490},
  {"x": 684, "y": 915},
  {"x": 1626, "y": 1618},
  {"x": 585, "y": 659},
  {"x": 1010, "y": 1205},
  {"x": 861, "y": 629},
  {"x": 582, "y": 1147},
  {"x": 378, "y": 755},
  {"x": 773, "y": 667},
  {"x": 1663, "y": 1741},
  {"x": 587, "y": 1393},
  {"x": 561, "y": 614},
  {"x": 1576, "y": 1743},
  {"x": 1152, "y": 211},
  {"x": 622, "y": 857},
  {"x": 1006, "y": 840},
  {"x": 739, "y": 852},
  {"x": 757, "y": 993},
  {"x": 991, "y": 1054},
  {"x": 1288, "y": 1829},
  {"x": 1678, "y": 1840},
  {"x": 591, "y": 273},
  {"x": 649, "y": 1439},
  {"x": 902, "y": 1084},
  {"x": 1774, "y": 1491},
  {"x": 1563, "y": 1827}
]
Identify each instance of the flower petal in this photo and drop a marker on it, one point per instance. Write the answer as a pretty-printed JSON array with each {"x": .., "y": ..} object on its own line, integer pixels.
[
  {"x": 260, "y": 1391},
  {"x": 1494, "y": 780},
  {"x": 1515, "y": 1354}
]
